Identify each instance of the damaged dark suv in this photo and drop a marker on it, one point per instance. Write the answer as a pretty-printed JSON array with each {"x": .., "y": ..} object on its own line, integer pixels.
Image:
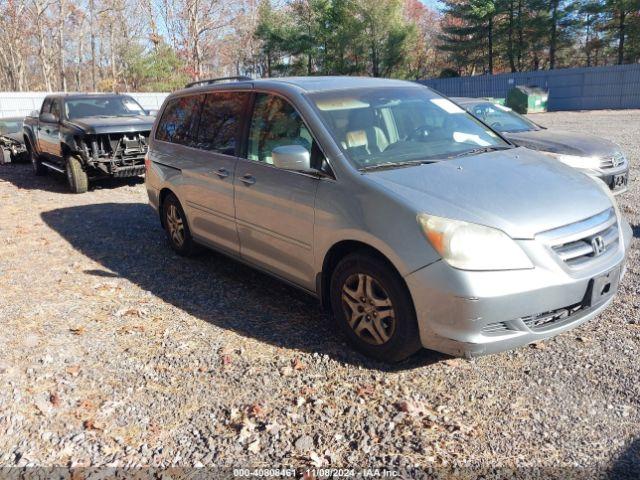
[{"x": 88, "y": 136}]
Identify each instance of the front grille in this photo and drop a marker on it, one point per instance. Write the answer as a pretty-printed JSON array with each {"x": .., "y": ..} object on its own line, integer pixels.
[
  {"x": 547, "y": 319},
  {"x": 580, "y": 243},
  {"x": 537, "y": 322},
  {"x": 612, "y": 161},
  {"x": 495, "y": 328}
]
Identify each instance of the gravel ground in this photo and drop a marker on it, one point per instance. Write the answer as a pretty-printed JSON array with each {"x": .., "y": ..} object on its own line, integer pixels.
[{"x": 116, "y": 352}]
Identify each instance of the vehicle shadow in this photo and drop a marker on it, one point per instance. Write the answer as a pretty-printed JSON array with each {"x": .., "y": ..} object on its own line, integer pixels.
[
  {"x": 127, "y": 240},
  {"x": 627, "y": 465},
  {"x": 21, "y": 175}
]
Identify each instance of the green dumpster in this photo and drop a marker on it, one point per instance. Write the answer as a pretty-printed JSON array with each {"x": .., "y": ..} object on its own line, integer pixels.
[
  {"x": 526, "y": 99},
  {"x": 499, "y": 101}
]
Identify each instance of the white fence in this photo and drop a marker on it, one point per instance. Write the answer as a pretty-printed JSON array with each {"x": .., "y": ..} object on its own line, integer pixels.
[{"x": 14, "y": 104}]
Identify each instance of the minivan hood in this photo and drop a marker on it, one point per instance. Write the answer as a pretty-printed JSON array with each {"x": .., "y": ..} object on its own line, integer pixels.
[
  {"x": 567, "y": 143},
  {"x": 98, "y": 125},
  {"x": 518, "y": 191}
]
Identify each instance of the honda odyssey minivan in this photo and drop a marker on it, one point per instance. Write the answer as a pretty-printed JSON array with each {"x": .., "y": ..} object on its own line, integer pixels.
[{"x": 413, "y": 223}]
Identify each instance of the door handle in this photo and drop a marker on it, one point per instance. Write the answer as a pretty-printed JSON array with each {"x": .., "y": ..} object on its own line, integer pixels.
[
  {"x": 248, "y": 179},
  {"x": 222, "y": 172}
]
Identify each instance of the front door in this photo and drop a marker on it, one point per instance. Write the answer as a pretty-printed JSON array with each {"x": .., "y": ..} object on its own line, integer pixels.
[
  {"x": 53, "y": 131},
  {"x": 275, "y": 207}
]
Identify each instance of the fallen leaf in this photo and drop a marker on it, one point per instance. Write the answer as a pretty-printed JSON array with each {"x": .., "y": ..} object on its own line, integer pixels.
[
  {"x": 365, "y": 391},
  {"x": 307, "y": 391},
  {"x": 538, "y": 345},
  {"x": 91, "y": 424},
  {"x": 131, "y": 329},
  {"x": 296, "y": 364},
  {"x": 73, "y": 370},
  {"x": 54, "y": 398},
  {"x": 255, "y": 410},
  {"x": 78, "y": 330},
  {"x": 226, "y": 359}
]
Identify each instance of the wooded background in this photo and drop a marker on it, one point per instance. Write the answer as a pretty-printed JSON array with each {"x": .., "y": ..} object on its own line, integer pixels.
[{"x": 159, "y": 45}]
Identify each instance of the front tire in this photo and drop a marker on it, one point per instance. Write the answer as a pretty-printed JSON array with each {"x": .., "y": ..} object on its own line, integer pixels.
[
  {"x": 77, "y": 178},
  {"x": 176, "y": 227},
  {"x": 372, "y": 306},
  {"x": 36, "y": 164}
]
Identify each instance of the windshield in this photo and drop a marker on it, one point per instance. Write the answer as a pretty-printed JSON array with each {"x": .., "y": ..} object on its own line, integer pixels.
[
  {"x": 7, "y": 127},
  {"x": 390, "y": 125},
  {"x": 502, "y": 118},
  {"x": 116, "y": 106}
]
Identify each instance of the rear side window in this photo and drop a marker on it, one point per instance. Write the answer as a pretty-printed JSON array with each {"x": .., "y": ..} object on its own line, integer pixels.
[
  {"x": 179, "y": 122},
  {"x": 219, "y": 121}
]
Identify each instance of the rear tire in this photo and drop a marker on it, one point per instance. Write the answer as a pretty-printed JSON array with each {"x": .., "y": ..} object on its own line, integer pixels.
[
  {"x": 372, "y": 306},
  {"x": 38, "y": 168},
  {"x": 176, "y": 227},
  {"x": 77, "y": 178}
]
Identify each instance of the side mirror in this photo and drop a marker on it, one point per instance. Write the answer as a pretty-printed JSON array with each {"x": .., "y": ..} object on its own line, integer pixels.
[
  {"x": 291, "y": 157},
  {"x": 48, "y": 118},
  {"x": 34, "y": 113}
]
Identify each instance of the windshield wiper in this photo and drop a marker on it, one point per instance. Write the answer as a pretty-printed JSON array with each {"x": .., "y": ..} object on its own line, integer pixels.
[
  {"x": 476, "y": 151},
  {"x": 390, "y": 165}
]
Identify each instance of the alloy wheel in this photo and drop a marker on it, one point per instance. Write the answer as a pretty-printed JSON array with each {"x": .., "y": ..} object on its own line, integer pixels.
[
  {"x": 368, "y": 309},
  {"x": 175, "y": 225}
]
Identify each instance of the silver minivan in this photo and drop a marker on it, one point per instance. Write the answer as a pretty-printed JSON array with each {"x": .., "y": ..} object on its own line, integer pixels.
[{"x": 414, "y": 223}]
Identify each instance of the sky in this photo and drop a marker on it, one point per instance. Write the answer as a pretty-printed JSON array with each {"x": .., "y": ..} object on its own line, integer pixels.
[{"x": 434, "y": 4}]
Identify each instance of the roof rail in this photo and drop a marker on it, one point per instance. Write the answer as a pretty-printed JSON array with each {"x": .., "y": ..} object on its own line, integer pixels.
[{"x": 210, "y": 81}]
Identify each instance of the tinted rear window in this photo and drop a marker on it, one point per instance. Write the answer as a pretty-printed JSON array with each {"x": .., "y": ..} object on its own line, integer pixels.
[
  {"x": 179, "y": 120},
  {"x": 219, "y": 121}
]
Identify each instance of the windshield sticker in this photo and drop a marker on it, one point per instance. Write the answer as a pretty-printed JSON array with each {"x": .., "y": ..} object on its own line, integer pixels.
[
  {"x": 462, "y": 137},
  {"x": 131, "y": 106},
  {"x": 447, "y": 105}
]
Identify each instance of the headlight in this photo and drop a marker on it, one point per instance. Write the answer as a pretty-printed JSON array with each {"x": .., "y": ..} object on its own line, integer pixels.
[
  {"x": 469, "y": 246},
  {"x": 576, "y": 161}
]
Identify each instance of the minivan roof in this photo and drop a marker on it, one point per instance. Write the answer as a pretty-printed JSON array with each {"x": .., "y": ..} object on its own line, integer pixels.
[
  {"x": 316, "y": 84},
  {"x": 311, "y": 84}
]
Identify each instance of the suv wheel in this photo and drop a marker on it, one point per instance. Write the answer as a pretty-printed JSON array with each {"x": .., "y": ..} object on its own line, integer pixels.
[
  {"x": 76, "y": 177},
  {"x": 38, "y": 168},
  {"x": 177, "y": 228},
  {"x": 372, "y": 306}
]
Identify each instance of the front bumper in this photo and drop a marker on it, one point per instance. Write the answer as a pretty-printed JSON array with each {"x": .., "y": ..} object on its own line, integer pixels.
[
  {"x": 466, "y": 313},
  {"x": 616, "y": 179}
]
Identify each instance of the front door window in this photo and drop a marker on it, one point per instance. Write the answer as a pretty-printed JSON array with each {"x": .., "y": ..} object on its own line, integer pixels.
[{"x": 276, "y": 123}]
